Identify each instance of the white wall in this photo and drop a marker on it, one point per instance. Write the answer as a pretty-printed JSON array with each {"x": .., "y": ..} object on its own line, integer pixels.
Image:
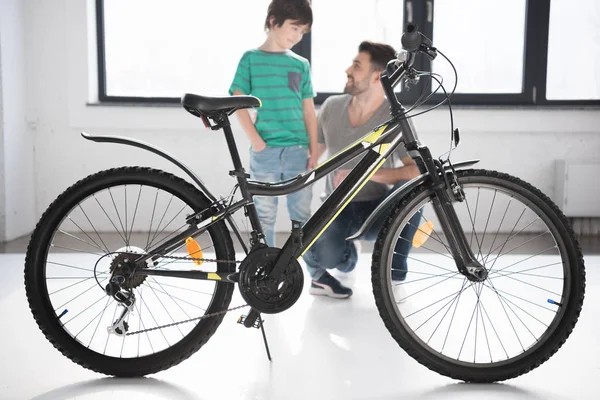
[
  {"x": 2, "y": 186},
  {"x": 17, "y": 153},
  {"x": 523, "y": 142}
]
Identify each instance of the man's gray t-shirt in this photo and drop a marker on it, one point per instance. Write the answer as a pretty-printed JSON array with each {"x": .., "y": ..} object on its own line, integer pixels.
[{"x": 336, "y": 132}]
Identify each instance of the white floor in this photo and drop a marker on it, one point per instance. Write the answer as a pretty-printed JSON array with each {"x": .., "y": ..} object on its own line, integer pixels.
[{"x": 322, "y": 349}]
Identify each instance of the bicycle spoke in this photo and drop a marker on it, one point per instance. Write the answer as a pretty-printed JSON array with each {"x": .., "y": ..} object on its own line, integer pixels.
[
  {"x": 449, "y": 308},
  {"x": 135, "y": 212},
  {"x": 424, "y": 262},
  {"x": 109, "y": 218},
  {"x": 440, "y": 309},
  {"x": 76, "y": 250},
  {"x": 528, "y": 258},
  {"x": 498, "y": 231},
  {"x": 74, "y": 284},
  {"x": 428, "y": 274},
  {"x": 161, "y": 220},
  {"x": 118, "y": 216},
  {"x": 424, "y": 279},
  {"x": 81, "y": 240},
  {"x": 69, "y": 266},
  {"x": 532, "y": 285},
  {"x": 190, "y": 290},
  {"x": 186, "y": 302},
  {"x": 528, "y": 269},
  {"x": 88, "y": 236},
  {"x": 520, "y": 298},
  {"x": 167, "y": 311},
  {"x": 524, "y": 273},
  {"x": 487, "y": 223},
  {"x": 426, "y": 248},
  {"x": 85, "y": 309},
  {"x": 82, "y": 293},
  {"x": 151, "y": 220},
  {"x": 156, "y": 324},
  {"x": 506, "y": 301},
  {"x": 170, "y": 222},
  {"x": 142, "y": 322},
  {"x": 108, "y": 336},
  {"x": 473, "y": 220},
  {"x": 434, "y": 303},
  {"x": 93, "y": 227},
  {"x": 467, "y": 333},
  {"x": 98, "y": 324},
  {"x": 428, "y": 287},
  {"x": 439, "y": 239}
]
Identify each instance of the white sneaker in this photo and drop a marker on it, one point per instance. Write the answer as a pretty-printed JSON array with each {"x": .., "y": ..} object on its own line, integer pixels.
[{"x": 399, "y": 291}]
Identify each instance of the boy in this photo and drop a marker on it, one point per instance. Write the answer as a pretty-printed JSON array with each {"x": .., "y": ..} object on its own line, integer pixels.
[{"x": 284, "y": 137}]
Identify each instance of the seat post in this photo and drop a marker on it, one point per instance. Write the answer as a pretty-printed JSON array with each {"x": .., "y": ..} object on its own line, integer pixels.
[{"x": 235, "y": 157}]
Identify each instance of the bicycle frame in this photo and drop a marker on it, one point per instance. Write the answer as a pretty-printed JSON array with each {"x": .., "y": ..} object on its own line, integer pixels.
[{"x": 378, "y": 145}]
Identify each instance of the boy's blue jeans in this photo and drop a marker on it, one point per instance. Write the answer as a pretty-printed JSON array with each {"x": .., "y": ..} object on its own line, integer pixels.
[
  {"x": 332, "y": 250},
  {"x": 274, "y": 164}
]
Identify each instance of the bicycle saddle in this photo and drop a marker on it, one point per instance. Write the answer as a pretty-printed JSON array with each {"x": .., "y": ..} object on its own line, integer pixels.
[{"x": 199, "y": 105}]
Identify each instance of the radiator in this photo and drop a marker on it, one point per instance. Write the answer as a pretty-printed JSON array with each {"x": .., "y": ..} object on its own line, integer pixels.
[{"x": 578, "y": 194}]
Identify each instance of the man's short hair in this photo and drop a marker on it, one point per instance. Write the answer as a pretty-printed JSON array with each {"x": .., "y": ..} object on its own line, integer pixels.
[
  {"x": 281, "y": 10},
  {"x": 380, "y": 53}
]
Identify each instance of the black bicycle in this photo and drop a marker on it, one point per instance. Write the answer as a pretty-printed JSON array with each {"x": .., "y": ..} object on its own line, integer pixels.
[{"x": 106, "y": 285}]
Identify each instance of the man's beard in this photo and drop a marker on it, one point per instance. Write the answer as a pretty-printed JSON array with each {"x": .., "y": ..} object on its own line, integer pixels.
[{"x": 353, "y": 88}]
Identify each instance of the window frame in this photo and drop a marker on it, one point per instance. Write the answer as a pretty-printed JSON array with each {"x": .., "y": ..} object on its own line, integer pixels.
[{"x": 535, "y": 59}]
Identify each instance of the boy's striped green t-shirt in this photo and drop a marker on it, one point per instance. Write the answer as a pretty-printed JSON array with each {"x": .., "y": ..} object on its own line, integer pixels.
[{"x": 281, "y": 81}]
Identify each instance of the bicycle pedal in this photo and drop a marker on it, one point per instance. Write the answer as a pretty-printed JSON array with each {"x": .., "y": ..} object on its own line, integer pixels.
[{"x": 242, "y": 319}]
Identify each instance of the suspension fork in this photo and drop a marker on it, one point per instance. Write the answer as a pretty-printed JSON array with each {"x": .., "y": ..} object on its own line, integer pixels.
[{"x": 461, "y": 251}]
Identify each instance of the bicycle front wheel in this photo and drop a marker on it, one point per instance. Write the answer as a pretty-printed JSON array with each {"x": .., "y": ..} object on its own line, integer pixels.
[
  {"x": 485, "y": 331},
  {"x": 80, "y": 240}
]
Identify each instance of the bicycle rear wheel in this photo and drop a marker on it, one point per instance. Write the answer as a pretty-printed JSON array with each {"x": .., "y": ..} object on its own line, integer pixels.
[
  {"x": 484, "y": 331},
  {"x": 79, "y": 241}
]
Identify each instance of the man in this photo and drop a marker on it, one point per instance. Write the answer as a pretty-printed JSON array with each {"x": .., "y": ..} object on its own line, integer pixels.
[{"x": 342, "y": 120}]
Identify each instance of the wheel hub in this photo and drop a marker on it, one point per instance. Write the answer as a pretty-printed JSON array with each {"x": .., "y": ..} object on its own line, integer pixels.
[{"x": 123, "y": 265}]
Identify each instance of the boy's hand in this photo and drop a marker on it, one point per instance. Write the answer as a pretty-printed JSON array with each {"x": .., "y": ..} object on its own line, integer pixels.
[
  {"x": 258, "y": 145},
  {"x": 313, "y": 161}
]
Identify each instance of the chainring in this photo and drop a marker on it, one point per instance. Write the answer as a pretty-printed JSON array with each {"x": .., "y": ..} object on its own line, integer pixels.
[{"x": 255, "y": 289}]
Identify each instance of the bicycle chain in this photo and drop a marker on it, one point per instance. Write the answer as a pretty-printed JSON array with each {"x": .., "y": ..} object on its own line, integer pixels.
[{"x": 197, "y": 318}]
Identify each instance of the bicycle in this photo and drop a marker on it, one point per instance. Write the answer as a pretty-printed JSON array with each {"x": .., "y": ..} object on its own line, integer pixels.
[{"x": 66, "y": 243}]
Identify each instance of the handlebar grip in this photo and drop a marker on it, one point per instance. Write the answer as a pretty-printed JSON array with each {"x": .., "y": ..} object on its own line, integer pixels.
[{"x": 411, "y": 38}]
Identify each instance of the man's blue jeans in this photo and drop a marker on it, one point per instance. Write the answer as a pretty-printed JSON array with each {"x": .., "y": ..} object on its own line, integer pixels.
[
  {"x": 332, "y": 250},
  {"x": 274, "y": 164}
]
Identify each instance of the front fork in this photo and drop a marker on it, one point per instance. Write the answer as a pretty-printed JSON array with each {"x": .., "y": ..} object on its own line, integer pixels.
[{"x": 447, "y": 190}]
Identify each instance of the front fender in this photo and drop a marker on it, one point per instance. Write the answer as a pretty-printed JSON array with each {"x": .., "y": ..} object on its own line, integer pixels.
[
  {"x": 397, "y": 195},
  {"x": 155, "y": 150}
]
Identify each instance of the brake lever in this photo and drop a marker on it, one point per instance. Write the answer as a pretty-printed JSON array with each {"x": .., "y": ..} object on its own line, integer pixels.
[{"x": 429, "y": 51}]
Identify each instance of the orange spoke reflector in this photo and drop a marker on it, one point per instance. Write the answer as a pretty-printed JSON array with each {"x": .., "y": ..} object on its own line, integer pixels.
[
  {"x": 422, "y": 234},
  {"x": 194, "y": 250}
]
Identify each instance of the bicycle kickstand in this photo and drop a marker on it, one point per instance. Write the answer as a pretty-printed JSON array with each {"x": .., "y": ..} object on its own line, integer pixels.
[{"x": 254, "y": 320}]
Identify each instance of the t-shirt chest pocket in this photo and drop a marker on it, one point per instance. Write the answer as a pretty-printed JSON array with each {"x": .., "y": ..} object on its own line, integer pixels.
[{"x": 294, "y": 79}]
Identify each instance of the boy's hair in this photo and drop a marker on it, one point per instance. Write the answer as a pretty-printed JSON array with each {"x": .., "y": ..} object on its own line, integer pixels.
[
  {"x": 298, "y": 10},
  {"x": 380, "y": 54}
]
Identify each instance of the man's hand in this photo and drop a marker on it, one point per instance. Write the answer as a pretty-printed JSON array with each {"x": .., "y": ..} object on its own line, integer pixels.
[{"x": 340, "y": 176}]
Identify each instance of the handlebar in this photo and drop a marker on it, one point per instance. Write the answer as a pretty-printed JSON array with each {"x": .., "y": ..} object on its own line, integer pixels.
[
  {"x": 411, "y": 38},
  {"x": 413, "y": 42}
]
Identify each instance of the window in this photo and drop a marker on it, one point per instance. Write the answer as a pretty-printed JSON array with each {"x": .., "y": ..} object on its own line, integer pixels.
[
  {"x": 473, "y": 34},
  {"x": 574, "y": 51},
  {"x": 341, "y": 27},
  {"x": 177, "y": 46},
  {"x": 520, "y": 52}
]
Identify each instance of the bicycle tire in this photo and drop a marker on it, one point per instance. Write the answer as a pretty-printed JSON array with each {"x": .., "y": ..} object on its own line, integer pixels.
[
  {"x": 492, "y": 372},
  {"x": 36, "y": 287}
]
